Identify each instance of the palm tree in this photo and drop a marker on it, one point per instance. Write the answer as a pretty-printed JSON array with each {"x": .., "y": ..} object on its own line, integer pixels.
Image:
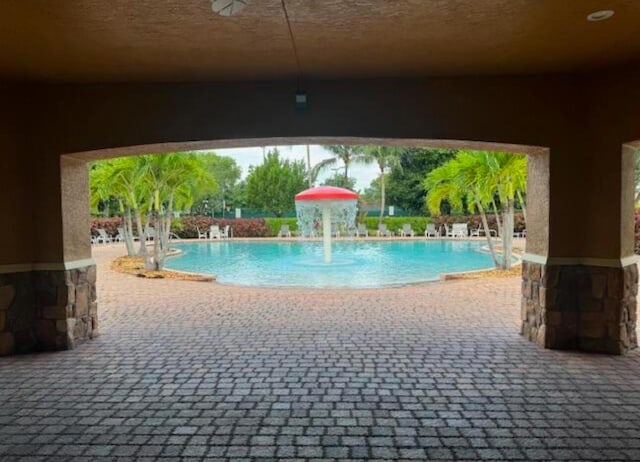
[
  {"x": 171, "y": 181},
  {"x": 121, "y": 179},
  {"x": 458, "y": 181},
  {"x": 347, "y": 154},
  {"x": 387, "y": 158},
  {"x": 480, "y": 177},
  {"x": 507, "y": 173}
]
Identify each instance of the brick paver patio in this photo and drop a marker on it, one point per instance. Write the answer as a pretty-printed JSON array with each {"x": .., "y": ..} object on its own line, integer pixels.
[{"x": 193, "y": 371}]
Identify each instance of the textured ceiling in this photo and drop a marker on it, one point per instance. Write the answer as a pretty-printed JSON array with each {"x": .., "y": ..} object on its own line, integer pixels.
[{"x": 183, "y": 40}]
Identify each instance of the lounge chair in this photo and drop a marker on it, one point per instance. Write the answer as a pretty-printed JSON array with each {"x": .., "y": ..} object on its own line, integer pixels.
[
  {"x": 448, "y": 232},
  {"x": 430, "y": 230},
  {"x": 284, "y": 231},
  {"x": 225, "y": 232},
  {"x": 310, "y": 234},
  {"x": 350, "y": 232},
  {"x": 407, "y": 231},
  {"x": 214, "y": 232},
  {"x": 120, "y": 237},
  {"x": 459, "y": 230},
  {"x": 201, "y": 235},
  {"x": 149, "y": 233},
  {"x": 479, "y": 232},
  {"x": 522, "y": 233},
  {"x": 362, "y": 230},
  {"x": 103, "y": 237},
  {"x": 383, "y": 231}
]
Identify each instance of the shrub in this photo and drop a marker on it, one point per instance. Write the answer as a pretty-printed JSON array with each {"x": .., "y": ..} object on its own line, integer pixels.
[{"x": 187, "y": 227}]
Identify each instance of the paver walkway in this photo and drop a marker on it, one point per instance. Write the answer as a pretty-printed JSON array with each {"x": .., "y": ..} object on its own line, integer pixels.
[{"x": 193, "y": 371}]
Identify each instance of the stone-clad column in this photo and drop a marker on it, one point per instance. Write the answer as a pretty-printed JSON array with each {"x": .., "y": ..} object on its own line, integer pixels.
[
  {"x": 47, "y": 309},
  {"x": 581, "y": 292},
  {"x": 67, "y": 311},
  {"x": 49, "y": 301},
  {"x": 583, "y": 307}
]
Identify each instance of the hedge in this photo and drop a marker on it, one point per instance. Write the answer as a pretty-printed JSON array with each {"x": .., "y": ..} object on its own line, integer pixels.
[
  {"x": 187, "y": 227},
  {"x": 110, "y": 225},
  {"x": 242, "y": 227}
]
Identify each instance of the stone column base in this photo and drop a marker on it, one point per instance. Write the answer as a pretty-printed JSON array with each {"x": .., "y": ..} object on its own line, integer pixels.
[
  {"x": 47, "y": 310},
  {"x": 580, "y": 307}
]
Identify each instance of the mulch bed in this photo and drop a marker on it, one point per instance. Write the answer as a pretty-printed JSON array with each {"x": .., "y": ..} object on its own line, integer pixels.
[
  {"x": 135, "y": 266},
  {"x": 514, "y": 271}
]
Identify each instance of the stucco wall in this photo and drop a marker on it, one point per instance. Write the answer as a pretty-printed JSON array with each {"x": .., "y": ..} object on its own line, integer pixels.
[{"x": 16, "y": 224}]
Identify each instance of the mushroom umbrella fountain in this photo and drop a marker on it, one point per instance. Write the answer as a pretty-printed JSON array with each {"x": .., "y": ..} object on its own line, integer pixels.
[{"x": 333, "y": 205}]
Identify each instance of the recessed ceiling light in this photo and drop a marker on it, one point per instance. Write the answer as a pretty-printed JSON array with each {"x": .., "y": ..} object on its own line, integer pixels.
[
  {"x": 228, "y": 7},
  {"x": 600, "y": 15}
]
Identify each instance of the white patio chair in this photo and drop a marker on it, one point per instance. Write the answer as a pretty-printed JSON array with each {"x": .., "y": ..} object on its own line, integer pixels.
[
  {"x": 430, "y": 230},
  {"x": 201, "y": 235},
  {"x": 460, "y": 230},
  {"x": 149, "y": 233},
  {"x": 103, "y": 237},
  {"x": 383, "y": 231},
  {"x": 362, "y": 230},
  {"x": 407, "y": 231},
  {"x": 224, "y": 234},
  {"x": 120, "y": 237},
  {"x": 214, "y": 232},
  {"x": 284, "y": 231}
]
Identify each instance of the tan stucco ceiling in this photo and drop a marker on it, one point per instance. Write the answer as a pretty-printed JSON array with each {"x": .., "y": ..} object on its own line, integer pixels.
[{"x": 182, "y": 40}]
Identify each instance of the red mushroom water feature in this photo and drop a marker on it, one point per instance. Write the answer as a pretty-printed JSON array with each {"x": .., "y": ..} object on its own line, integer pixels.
[{"x": 326, "y": 199}]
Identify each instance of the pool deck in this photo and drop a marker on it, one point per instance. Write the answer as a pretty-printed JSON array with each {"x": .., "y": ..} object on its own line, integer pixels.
[{"x": 203, "y": 371}]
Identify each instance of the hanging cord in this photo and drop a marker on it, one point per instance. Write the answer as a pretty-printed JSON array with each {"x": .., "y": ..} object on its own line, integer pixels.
[{"x": 293, "y": 42}]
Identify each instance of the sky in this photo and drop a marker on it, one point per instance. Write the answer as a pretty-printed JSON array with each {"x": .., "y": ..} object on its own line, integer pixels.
[{"x": 253, "y": 156}]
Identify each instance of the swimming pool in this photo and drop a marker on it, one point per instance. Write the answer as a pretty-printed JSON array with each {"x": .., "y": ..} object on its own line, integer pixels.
[{"x": 356, "y": 264}]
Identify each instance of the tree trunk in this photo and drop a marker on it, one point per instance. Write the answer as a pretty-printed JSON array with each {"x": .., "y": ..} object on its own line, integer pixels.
[
  {"x": 142, "y": 251},
  {"x": 157, "y": 224},
  {"x": 309, "y": 167},
  {"x": 128, "y": 233},
  {"x": 346, "y": 174},
  {"x": 507, "y": 237},
  {"x": 524, "y": 207},
  {"x": 163, "y": 236},
  {"x": 382, "y": 198},
  {"x": 497, "y": 215},
  {"x": 487, "y": 233}
]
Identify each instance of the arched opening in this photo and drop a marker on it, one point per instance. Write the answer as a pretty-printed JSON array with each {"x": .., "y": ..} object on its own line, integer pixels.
[{"x": 75, "y": 194}]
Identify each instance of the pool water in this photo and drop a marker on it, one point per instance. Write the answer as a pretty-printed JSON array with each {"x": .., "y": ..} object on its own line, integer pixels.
[{"x": 356, "y": 264}]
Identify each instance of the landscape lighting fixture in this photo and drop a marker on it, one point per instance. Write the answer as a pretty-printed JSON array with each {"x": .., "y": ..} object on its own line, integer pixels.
[
  {"x": 228, "y": 7},
  {"x": 600, "y": 15}
]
